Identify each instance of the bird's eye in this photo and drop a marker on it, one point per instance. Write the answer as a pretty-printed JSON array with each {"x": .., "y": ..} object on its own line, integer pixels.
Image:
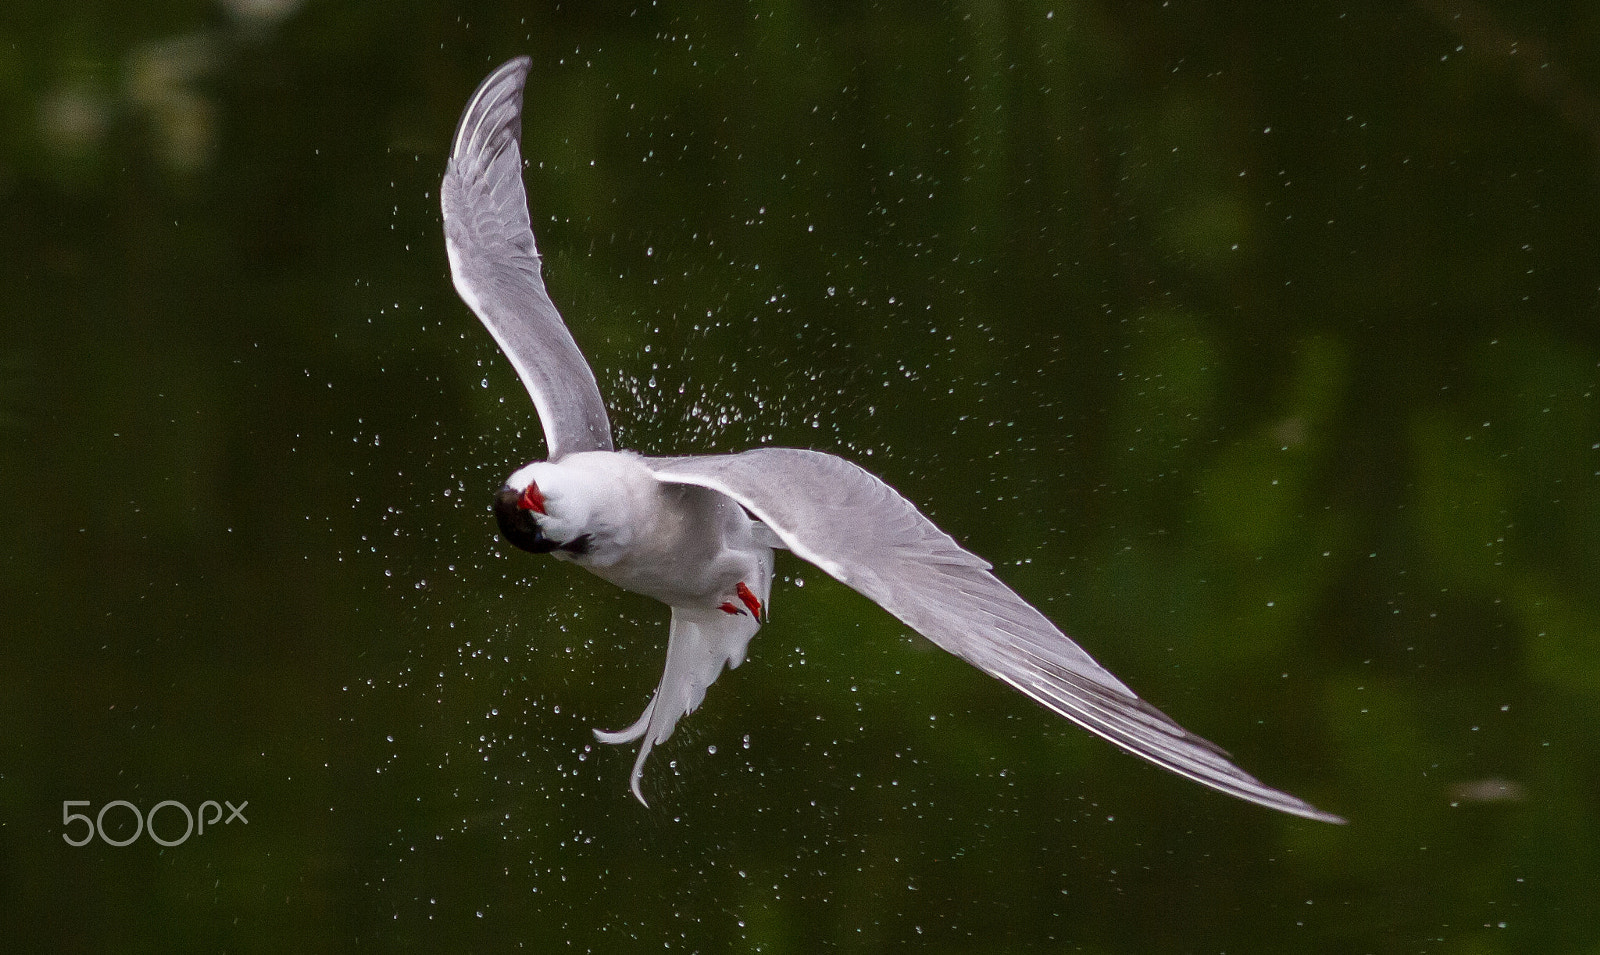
[{"x": 531, "y": 499}]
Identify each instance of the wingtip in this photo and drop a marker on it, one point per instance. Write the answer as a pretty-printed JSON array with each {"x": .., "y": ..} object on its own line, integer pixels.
[
  {"x": 1292, "y": 805},
  {"x": 513, "y": 72},
  {"x": 519, "y": 65},
  {"x": 515, "y": 69}
]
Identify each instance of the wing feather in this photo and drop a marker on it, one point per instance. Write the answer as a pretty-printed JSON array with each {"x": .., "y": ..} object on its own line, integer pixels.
[
  {"x": 494, "y": 263},
  {"x": 863, "y": 532}
]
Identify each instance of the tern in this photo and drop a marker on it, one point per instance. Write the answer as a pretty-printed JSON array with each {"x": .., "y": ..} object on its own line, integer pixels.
[{"x": 699, "y": 533}]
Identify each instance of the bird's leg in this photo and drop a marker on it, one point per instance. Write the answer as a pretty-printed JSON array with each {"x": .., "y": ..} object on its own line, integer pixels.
[
  {"x": 749, "y": 599},
  {"x": 752, "y": 601}
]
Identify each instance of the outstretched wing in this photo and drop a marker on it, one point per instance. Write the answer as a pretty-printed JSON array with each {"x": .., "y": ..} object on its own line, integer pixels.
[
  {"x": 863, "y": 532},
  {"x": 495, "y": 265}
]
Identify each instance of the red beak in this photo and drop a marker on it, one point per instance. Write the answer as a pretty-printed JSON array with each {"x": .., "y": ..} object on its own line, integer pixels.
[{"x": 531, "y": 499}]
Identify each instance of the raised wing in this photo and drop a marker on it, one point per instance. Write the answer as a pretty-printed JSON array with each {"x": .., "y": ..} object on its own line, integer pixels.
[
  {"x": 863, "y": 532},
  {"x": 495, "y": 265}
]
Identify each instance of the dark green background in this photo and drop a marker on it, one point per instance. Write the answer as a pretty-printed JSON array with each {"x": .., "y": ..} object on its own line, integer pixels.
[{"x": 1257, "y": 343}]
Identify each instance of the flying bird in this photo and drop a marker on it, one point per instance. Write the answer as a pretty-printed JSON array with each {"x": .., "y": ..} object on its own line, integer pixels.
[{"x": 699, "y": 533}]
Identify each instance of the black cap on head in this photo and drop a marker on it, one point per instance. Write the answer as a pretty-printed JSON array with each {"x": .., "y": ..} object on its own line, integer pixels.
[{"x": 518, "y": 525}]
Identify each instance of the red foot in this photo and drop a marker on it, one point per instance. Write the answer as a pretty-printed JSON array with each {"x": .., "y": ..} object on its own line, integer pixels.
[
  {"x": 729, "y": 608},
  {"x": 750, "y": 600}
]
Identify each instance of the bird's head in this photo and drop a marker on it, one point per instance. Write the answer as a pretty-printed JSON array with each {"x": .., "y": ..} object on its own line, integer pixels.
[{"x": 537, "y": 511}]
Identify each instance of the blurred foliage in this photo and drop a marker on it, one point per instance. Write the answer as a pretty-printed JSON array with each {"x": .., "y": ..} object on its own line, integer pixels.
[{"x": 1257, "y": 344}]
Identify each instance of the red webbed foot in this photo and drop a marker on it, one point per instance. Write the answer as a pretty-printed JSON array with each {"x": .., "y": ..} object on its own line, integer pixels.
[
  {"x": 752, "y": 604},
  {"x": 751, "y": 601}
]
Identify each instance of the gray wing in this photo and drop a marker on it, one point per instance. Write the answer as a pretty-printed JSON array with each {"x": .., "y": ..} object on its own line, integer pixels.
[
  {"x": 861, "y": 531},
  {"x": 495, "y": 265}
]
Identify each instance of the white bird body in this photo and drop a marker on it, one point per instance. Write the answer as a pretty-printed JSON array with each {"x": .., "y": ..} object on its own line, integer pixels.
[
  {"x": 685, "y": 546},
  {"x": 698, "y": 533}
]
